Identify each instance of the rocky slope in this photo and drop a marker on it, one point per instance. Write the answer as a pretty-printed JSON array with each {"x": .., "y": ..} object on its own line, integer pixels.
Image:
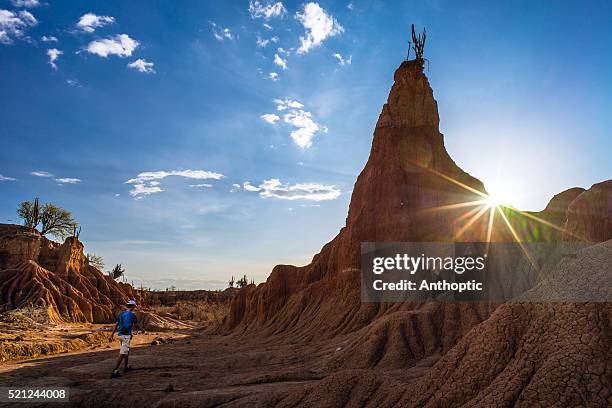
[
  {"x": 35, "y": 271},
  {"x": 411, "y": 190},
  {"x": 406, "y": 192}
]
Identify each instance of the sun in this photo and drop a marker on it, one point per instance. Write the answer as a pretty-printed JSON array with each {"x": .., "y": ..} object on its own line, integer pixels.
[
  {"x": 499, "y": 194},
  {"x": 492, "y": 200}
]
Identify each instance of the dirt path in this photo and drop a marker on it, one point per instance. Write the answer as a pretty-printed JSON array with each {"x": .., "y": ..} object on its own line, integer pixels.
[{"x": 201, "y": 370}]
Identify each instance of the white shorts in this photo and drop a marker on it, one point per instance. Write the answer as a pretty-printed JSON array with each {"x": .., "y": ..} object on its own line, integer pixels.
[{"x": 125, "y": 343}]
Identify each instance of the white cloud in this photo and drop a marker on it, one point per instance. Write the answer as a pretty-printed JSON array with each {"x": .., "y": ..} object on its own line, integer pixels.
[
  {"x": 283, "y": 104},
  {"x": 264, "y": 42},
  {"x": 53, "y": 55},
  {"x": 343, "y": 61},
  {"x": 270, "y": 118},
  {"x": 220, "y": 33},
  {"x": 140, "y": 190},
  {"x": 318, "y": 26},
  {"x": 74, "y": 82},
  {"x": 5, "y": 178},
  {"x": 235, "y": 187},
  {"x": 41, "y": 174},
  {"x": 249, "y": 187},
  {"x": 266, "y": 10},
  {"x": 142, "y": 66},
  {"x": 147, "y": 183},
  {"x": 25, "y": 3},
  {"x": 280, "y": 62},
  {"x": 48, "y": 39},
  {"x": 14, "y": 25},
  {"x": 68, "y": 180},
  {"x": 90, "y": 21},
  {"x": 121, "y": 45},
  {"x": 302, "y": 121},
  {"x": 273, "y": 76},
  {"x": 350, "y": 6},
  {"x": 267, "y": 26},
  {"x": 273, "y": 188},
  {"x": 206, "y": 185},
  {"x": 305, "y": 127}
]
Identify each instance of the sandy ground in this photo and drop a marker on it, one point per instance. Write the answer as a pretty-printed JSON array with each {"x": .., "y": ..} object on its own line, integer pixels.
[{"x": 194, "y": 370}]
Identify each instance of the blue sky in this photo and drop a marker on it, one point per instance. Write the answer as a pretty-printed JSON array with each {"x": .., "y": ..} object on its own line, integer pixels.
[{"x": 146, "y": 119}]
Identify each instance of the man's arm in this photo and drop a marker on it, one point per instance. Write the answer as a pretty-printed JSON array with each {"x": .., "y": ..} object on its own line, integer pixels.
[{"x": 110, "y": 339}]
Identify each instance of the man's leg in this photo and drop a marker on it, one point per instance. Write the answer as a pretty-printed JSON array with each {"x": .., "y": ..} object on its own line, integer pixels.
[
  {"x": 125, "y": 360},
  {"x": 119, "y": 362}
]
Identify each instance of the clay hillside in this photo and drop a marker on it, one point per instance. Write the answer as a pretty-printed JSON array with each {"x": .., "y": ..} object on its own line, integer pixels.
[
  {"x": 35, "y": 271},
  {"x": 515, "y": 354}
]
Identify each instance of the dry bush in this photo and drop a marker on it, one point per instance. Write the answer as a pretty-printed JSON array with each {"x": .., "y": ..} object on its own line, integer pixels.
[{"x": 195, "y": 311}]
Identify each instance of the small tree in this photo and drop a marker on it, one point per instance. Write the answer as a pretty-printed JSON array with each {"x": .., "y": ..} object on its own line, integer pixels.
[
  {"x": 29, "y": 212},
  {"x": 96, "y": 261},
  {"x": 231, "y": 282},
  {"x": 53, "y": 219},
  {"x": 56, "y": 221},
  {"x": 117, "y": 272}
]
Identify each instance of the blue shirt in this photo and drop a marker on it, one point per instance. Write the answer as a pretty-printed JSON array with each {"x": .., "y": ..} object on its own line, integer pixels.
[{"x": 126, "y": 320}]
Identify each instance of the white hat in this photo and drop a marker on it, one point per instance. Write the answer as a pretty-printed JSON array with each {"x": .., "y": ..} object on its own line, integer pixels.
[{"x": 131, "y": 302}]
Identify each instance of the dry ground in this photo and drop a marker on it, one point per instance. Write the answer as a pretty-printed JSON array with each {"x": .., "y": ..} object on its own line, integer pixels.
[{"x": 202, "y": 370}]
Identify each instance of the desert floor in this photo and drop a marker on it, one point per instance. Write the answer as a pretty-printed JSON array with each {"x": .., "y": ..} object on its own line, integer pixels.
[{"x": 192, "y": 370}]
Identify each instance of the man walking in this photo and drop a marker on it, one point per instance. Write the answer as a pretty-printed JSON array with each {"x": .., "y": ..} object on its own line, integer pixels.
[{"x": 125, "y": 321}]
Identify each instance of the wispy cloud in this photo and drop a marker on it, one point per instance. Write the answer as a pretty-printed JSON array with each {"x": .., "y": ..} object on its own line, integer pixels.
[
  {"x": 5, "y": 178},
  {"x": 203, "y": 185},
  {"x": 343, "y": 61},
  {"x": 121, "y": 45},
  {"x": 266, "y": 10},
  {"x": 143, "y": 66},
  {"x": 90, "y": 21},
  {"x": 53, "y": 55},
  {"x": 41, "y": 174},
  {"x": 221, "y": 33},
  {"x": 303, "y": 124},
  {"x": 273, "y": 188},
  {"x": 318, "y": 26},
  {"x": 14, "y": 25},
  {"x": 284, "y": 104},
  {"x": 261, "y": 42},
  {"x": 273, "y": 76},
  {"x": 280, "y": 62},
  {"x": 68, "y": 180},
  {"x": 48, "y": 39},
  {"x": 147, "y": 183},
  {"x": 25, "y": 3},
  {"x": 270, "y": 118}
]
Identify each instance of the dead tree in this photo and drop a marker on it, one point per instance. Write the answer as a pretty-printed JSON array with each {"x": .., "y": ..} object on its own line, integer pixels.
[{"x": 417, "y": 44}]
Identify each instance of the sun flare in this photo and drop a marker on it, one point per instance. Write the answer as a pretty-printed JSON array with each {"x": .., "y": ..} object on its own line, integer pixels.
[{"x": 500, "y": 194}]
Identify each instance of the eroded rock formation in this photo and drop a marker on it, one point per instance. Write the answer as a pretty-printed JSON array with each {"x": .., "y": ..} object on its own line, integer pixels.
[
  {"x": 39, "y": 272},
  {"x": 411, "y": 190}
]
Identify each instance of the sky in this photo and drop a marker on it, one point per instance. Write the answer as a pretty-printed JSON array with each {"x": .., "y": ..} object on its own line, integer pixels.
[{"x": 197, "y": 140}]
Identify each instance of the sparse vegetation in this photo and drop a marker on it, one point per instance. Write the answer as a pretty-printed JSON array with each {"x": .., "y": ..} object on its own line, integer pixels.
[
  {"x": 231, "y": 282},
  {"x": 96, "y": 261},
  {"x": 117, "y": 272},
  {"x": 51, "y": 218}
]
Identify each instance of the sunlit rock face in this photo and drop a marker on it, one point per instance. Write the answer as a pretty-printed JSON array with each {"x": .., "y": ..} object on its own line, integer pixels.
[
  {"x": 402, "y": 194},
  {"x": 39, "y": 272},
  {"x": 589, "y": 216},
  {"x": 411, "y": 190}
]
